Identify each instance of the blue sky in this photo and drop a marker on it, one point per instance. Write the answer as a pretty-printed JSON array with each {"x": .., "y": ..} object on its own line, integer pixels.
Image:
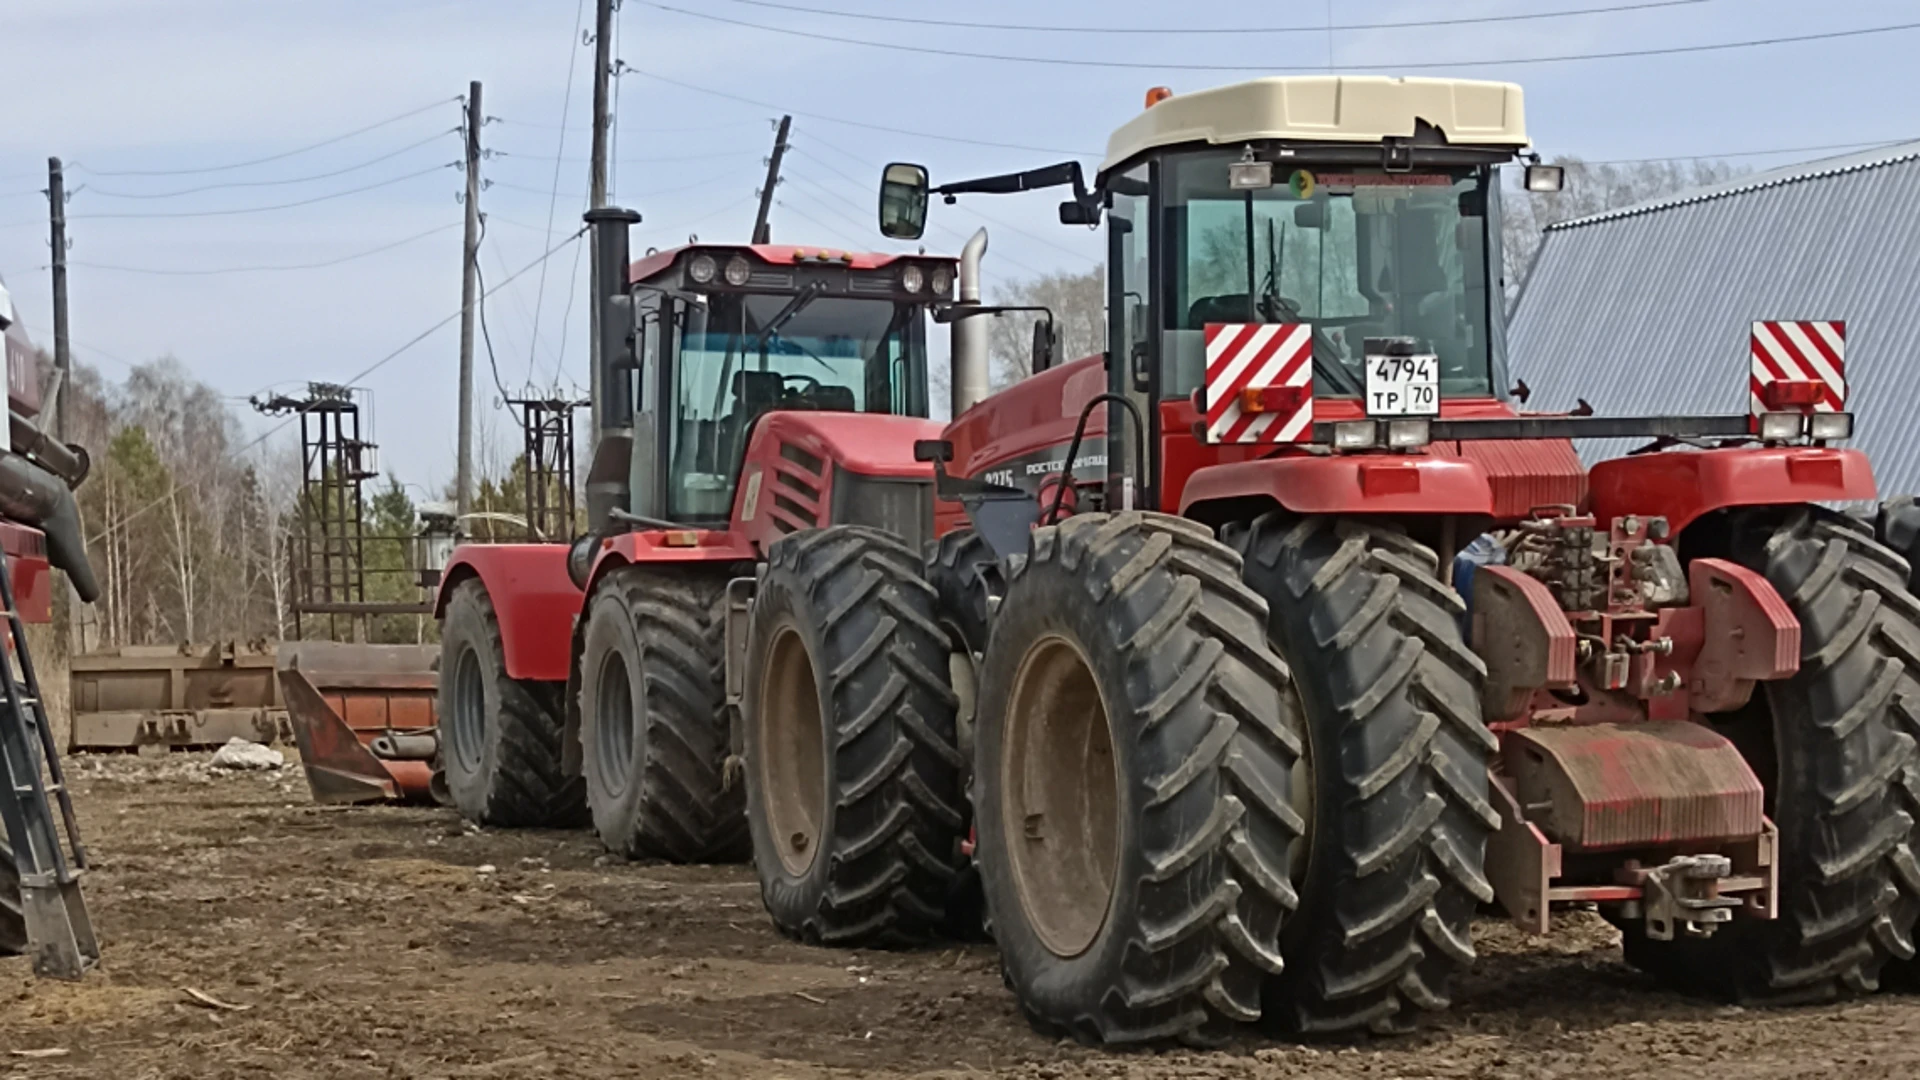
[{"x": 119, "y": 86}]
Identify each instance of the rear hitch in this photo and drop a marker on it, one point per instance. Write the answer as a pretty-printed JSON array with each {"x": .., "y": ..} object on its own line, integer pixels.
[{"x": 1685, "y": 892}]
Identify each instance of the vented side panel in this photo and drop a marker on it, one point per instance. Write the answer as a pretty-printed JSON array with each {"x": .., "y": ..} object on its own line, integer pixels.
[{"x": 901, "y": 507}]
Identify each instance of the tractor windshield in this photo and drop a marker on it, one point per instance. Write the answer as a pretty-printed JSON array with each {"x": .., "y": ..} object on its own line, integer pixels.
[
  {"x": 745, "y": 354},
  {"x": 1359, "y": 253}
]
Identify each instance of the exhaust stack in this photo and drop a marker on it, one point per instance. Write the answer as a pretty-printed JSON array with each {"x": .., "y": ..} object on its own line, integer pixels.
[
  {"x": 969, "y": 342},
  {"x": 609, "y": 486}
]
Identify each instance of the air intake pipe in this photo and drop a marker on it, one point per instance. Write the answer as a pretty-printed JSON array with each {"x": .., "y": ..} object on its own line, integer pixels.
[
  {"x": 969, "y": 340},
  {"x": 33, "y": 496},
  {"x": 609, "y": 483}
]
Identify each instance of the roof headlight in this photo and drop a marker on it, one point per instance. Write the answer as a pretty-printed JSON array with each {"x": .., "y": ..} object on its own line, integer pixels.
[
  {"x": 913, "y": 279},
  {"x": 737, "y": 271},
  {"x": 1830, "y": 425},
  {"x": 702, "y": 269},
  {"x": 1781, "y": 426},
  {"x": 942, "y": 278}
]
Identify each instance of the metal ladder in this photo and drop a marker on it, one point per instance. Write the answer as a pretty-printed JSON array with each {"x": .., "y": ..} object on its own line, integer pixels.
[{"x": 47, "y": 854}]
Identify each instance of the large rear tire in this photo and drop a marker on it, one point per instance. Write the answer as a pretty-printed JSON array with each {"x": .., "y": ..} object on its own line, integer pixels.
[
  {"x": 1835, "y": 744},
  {"x": 1132, "y": 781},
  {"x": 499, "y": 736},
  {"x": 13, "y": 921},
  {"x": 653, "y": 718},
  {"x": 853, "y": 779},
  {"x": 966, "y": 580},
  {"x": 1398, "y": 771}
]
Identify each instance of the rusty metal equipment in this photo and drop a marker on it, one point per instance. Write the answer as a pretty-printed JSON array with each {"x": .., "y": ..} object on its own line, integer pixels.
[
  {"x": 329, "y": 566},
  {"x": 546, "y": 427},
  {"x": 363, "y": 716},
  {"x": 184, "y": 697}
]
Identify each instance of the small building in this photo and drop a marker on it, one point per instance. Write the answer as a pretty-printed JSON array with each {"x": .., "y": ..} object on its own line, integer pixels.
[{"x": 1648, "y": 309}]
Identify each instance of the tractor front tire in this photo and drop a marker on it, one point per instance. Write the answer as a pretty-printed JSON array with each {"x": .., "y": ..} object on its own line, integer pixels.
[
  {"x": 13, "y": 920},
  {"x": 653, "y": 718},
  {"x": 853, "y": 779},
  {"x": 1835, "y": 745},
  {"x": 1398, "y": 760},
  {"x": 499, "y": 736},
  {"x": 1132, "y": 783}
]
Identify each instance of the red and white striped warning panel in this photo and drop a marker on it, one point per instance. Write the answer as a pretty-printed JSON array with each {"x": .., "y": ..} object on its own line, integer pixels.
[
  {"x": 1259, "y": 382},
  {"x": 1799, "y": 365}
]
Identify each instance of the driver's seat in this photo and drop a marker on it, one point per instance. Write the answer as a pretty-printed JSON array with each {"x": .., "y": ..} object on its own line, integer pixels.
[{"x": 754, "y": 392}]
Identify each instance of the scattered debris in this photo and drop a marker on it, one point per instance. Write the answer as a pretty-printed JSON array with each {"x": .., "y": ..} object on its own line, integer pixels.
[
  {"x": 242, "y": 754},
  {"x": 486, "y": 868},
  {"x": 804, "y": 996},
  {"x": 212, "y": 1002},
  {"x": 48, "y": 1052}
]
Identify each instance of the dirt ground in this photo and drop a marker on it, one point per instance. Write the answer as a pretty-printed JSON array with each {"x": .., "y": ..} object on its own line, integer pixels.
[{"x": 389, "y": 943}]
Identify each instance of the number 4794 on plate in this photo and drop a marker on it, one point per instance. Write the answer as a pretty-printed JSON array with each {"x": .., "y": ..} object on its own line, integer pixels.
[{"x": 1403, "y": 385}]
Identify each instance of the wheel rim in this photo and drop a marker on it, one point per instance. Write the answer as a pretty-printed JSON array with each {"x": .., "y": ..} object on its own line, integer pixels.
[
  {"x": 1062, "y": 786},
  {"x": 469, "y": 711},
  {"x": 793, "y": 772},
  {"x": 613, "y": 722}
]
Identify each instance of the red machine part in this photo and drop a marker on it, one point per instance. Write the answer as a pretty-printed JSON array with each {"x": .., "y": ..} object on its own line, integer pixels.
[
  {"x": 363, "y": 716},
  {"x": 533, "y": 599},
  {"x": 1683, "y": 487},
  {"x": 792, "y": 460},
  {"x": 26, "y": 550},
  {"x": 1606, "y": 786}
]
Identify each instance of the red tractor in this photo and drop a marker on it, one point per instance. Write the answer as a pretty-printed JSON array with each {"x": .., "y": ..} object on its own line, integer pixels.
[
  {"x": 1279, "y": 643},
  {"x": 748, "y": 392}
]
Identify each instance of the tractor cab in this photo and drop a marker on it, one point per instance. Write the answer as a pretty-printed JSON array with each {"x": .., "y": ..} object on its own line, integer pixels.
[
  {"x": 725, "y": 334},
  {"x": 1282, "y": 251}
]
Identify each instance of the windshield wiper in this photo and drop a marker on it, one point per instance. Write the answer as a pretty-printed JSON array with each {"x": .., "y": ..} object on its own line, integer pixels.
[{"x": 786, "y": 314}]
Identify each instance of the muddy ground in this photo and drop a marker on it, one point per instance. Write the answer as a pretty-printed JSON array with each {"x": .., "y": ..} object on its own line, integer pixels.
[{"x": 389, "y": 943}]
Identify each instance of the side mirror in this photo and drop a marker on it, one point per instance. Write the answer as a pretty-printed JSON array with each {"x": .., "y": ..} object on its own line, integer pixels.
[
  {"x": 1046, "y": 344},
  {"x": 1073, "y": 212},
  {"x": 903, "y": 201},
  {"x": 1310, "y": 215},
  {"x": 1545, "y": 179}
]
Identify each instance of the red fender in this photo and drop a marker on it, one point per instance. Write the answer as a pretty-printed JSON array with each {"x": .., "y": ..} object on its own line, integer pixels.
[
  {"x": 533, "y": 599},
  {"x": 1345, "y": 484},
  {"x": 1682, "y": 486}
]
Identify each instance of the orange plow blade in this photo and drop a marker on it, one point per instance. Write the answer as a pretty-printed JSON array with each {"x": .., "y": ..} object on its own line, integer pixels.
[{"x": 363, "y": 716}]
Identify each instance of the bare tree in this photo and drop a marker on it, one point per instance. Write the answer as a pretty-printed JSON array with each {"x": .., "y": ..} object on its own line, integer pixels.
[
  {"x": 1593, "y": 188},
  {"x": 1078, "y": 304}
]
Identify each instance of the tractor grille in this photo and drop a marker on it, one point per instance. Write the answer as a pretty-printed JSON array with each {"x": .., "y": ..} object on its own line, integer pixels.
[
  {"x": 901, "y": 507},
  {"x": 796, "y": 490}
]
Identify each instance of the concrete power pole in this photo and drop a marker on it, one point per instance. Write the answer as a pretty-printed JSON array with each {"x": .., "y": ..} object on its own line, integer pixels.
[
  {"x": 763, "y": 232},
  {"x": 469, "y": 286},
  {"x": 597, "y": 185},
  {"x": 62, "y": 351}
]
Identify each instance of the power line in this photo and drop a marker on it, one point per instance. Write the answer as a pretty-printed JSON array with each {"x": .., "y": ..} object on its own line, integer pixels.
[
  {"x": 553, "y": 195},
  {"x": 579, "y": 197},
  {"x": 1096, "y": 28},
  {"x": 272, "y": 157},
  {"x": 263, "y": 209},
  {"x": 1269, "y": 68},
  {"x": 269, "y": 268},
  {"x": 859, "y": 123},
  {"x": 644, "y": 130},
  {"x": 815, "y": 222},
  {"x": 349, "y": 381},
  {"x": 630, "y": 161},
  {"x": 272, "y": 183}
]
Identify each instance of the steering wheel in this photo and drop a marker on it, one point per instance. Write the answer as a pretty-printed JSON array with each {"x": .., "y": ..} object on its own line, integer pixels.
[{"x": 812, "y": 383}]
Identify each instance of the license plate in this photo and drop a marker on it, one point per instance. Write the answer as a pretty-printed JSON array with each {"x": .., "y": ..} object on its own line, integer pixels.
[{"x": 1403, "y": 385}]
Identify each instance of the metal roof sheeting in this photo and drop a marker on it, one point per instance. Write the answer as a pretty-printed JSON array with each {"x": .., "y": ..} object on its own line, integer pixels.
[{"x": 1648, "y": 309}]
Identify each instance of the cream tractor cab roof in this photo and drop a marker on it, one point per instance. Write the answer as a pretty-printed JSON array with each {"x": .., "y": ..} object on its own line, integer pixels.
[{"x": 1327, "y": 108}]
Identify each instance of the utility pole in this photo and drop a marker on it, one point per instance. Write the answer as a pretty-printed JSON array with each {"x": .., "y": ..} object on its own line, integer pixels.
[
  {"x": 469, "y": 284},
  {"x": 62, "y": 353},
  {"x": 597, "y": 185},
  {"x": 762, "y": 232}
]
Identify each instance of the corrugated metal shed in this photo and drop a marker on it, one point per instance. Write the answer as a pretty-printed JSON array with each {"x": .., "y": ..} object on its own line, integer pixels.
[{"x": 1647, "y": 309}]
